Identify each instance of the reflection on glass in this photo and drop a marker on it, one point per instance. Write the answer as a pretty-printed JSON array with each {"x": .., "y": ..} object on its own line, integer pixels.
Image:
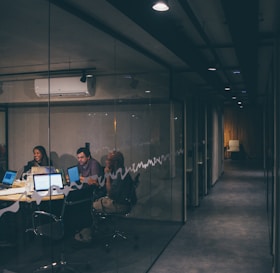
[
  {"x": 144, "y": 136},
  {"x": 119, "y": 115}
]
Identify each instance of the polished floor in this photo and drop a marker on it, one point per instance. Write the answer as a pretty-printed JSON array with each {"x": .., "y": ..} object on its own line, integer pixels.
[{"x": 228, "y": 232}]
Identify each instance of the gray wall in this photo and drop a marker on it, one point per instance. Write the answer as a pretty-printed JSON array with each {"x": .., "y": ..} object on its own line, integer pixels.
[{"x": 141, "y": 132}]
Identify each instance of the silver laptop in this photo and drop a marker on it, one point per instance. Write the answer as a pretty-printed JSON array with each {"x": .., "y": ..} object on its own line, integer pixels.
[
  {"x": 48, "y": 183},
  {"x": 8, "y": 179}
]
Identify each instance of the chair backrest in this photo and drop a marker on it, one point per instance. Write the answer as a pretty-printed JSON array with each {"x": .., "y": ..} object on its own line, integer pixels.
[
  {"x": 136, "y": 180},
  {"x": 50, "y": 225},
  {"x": 132, "y": 200}
]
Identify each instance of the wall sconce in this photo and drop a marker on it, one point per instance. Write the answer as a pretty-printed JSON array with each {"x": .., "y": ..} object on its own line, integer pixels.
[{"x": 160, "y": 5}]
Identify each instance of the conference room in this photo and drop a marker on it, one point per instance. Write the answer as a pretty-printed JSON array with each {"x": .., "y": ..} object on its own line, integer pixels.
[{"x": 64, "y": 98}]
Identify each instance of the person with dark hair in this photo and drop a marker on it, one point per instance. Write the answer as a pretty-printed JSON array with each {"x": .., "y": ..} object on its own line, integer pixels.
[
  {"x": 118, "y": 185},
  {"x": 90, "y": 171},
  {"x": 120, "y": 194},
  {"x": 89, "y": 168},
  {"x": 40, "y": 159}
]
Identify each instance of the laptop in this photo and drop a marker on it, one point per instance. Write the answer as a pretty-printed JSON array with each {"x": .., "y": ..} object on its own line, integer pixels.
[
  {"x": 44, "y": 182},
  {"x": 8, "y": 179},
  {"x": 42, "y": 169},
  {"x": 73, "y": 173}
]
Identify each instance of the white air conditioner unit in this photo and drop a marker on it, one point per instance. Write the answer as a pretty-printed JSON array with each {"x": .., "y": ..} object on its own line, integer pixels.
[{"x": 66, "y": 86}]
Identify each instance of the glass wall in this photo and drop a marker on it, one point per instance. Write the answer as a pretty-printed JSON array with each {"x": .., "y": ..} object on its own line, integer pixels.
[
  {"x": 123, "y": 106},
  {"x": 3, "y": 144}
]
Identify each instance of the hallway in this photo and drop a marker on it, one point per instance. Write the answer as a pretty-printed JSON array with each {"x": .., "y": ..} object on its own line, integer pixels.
[{"x": 228, "y": 233}]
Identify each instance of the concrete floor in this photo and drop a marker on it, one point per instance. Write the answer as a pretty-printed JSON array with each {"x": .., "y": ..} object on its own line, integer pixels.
[{"x": 229, "y": 232}]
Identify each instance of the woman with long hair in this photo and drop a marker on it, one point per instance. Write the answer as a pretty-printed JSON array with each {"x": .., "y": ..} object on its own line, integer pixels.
[{"x": 40, "y": 158}]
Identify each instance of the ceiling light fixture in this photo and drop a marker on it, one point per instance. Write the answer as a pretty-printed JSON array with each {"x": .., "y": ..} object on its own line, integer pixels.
[
  {"x": 160, "y": 5},
  {"x": 236, "y": 72},
  {"x": 227, "y": 88},
  {"x": 212, "y": 68}
]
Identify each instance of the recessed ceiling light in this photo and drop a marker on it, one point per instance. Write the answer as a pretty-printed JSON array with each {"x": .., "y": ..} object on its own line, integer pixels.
[
  {"x": 239, "y": 102},
  {"x": 233, "y": 97},
  {"x": 212, "y": 68},
  {"x": 244, "y": 91},
  {"x": 236, "y": 71},
  {"x": 148, "y": 91},
  {"x": 227, "y": 88},
  {"x": 161, "y": 5}
]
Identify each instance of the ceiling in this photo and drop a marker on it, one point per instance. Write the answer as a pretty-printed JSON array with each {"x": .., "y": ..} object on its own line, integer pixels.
[{"x": 124, "y": 37}]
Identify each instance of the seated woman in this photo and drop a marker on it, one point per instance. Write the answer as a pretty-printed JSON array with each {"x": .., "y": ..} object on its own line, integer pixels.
[{"x": 40, "y": 159}]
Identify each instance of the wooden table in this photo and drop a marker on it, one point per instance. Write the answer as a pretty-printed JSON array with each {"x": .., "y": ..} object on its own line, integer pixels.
[{"x": 22, "y": 197}]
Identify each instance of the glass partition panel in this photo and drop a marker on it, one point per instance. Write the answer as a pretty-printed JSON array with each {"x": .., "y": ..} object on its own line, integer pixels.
[
  {"x": 3, "y": 144},
  {"x": 141, "y": 133},
  {"x": 123, "y": 107}
]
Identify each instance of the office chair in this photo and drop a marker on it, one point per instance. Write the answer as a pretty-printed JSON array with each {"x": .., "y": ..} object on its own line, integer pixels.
[
  {"x": 111, "y": 221},
  {"x": 50, "y": 226}
]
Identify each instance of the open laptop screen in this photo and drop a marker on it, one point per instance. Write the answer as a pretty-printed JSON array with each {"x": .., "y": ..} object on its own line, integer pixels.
[
  {"x": 73, "y": 173},
  {"x": 43, "y": 182},
  {"x": 9, "y": 177}
]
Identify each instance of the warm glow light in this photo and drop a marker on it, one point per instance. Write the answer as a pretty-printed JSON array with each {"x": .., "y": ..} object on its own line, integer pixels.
[
  {"x": 115, "y": 125},
  {"x": 160, "y": 6}
]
